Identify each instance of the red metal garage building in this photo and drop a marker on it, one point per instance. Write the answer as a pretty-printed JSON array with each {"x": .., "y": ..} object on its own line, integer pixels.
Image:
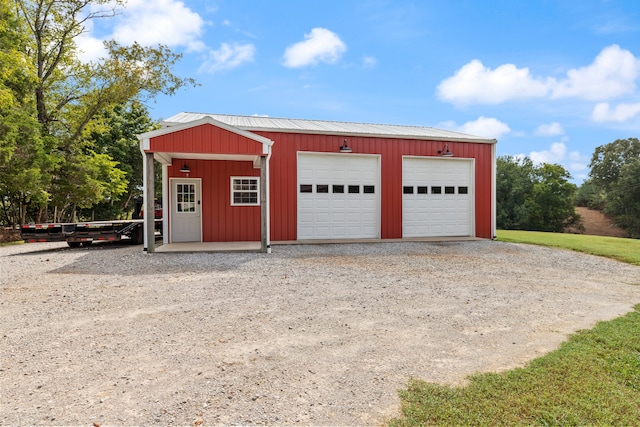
[{"x": 244, "y": 178}]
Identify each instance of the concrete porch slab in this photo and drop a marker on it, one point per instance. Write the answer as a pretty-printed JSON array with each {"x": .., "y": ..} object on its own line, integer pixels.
[{"x": 209, "y": 247}]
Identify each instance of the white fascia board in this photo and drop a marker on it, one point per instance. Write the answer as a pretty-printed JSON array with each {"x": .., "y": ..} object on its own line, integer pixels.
[{"x": 145, "y": 144}]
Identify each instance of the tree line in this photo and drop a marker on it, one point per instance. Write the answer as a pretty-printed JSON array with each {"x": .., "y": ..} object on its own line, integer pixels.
[
  {"x": 542, "y": 198},
  {"x": 68, "y": 146}
]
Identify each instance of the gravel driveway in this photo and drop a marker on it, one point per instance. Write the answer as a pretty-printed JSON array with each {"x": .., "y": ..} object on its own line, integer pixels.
[{"x": 309, "y": 335}]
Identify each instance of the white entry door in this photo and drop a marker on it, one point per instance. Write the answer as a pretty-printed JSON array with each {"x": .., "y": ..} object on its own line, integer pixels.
[{"x": 186, "y": 217}]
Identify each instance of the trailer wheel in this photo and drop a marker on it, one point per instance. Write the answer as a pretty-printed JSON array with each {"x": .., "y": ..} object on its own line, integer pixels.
[
  {"x": 137, "y": 236},
  {"x": 73, "y": 244}
]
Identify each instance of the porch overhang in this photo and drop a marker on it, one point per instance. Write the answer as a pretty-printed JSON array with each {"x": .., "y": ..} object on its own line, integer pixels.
[
  {"x": 166, "y": 158},
  {"x": 203, "y": 139}
]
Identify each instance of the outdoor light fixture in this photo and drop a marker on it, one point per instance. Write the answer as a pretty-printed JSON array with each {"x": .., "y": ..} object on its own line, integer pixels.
[
  {"x": 185, "y": 168},
  {"x": 445, "y": 151},
  {"x": 345, "y": 148}
]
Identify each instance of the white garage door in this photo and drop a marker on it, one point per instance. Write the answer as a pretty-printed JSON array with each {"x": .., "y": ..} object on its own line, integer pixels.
[
  {"x": 338, "y": 196},
  {"x": 437, "y": 197}
]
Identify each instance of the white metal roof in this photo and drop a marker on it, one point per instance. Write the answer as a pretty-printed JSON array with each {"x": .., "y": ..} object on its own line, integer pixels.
[{"x": 253, "y": 123}]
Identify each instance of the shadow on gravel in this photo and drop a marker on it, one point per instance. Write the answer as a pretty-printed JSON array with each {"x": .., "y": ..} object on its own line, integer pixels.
[
  {"x": 127, "y": 260},
  {"x": 96, "y": 246}
]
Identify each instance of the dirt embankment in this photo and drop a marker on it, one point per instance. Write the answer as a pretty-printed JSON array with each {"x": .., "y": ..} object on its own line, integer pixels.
[{"x": 598, "y": 224}]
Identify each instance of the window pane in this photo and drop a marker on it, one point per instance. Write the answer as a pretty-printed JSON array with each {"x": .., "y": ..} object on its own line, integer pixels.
[
  {"x": 353, "y": 189},
  {"x": 436, "y": 190},
  {"x": 244, "y": 191},
  {"x": 449, "y": 190},
  {"x": 368, "y": 189},
  {"x": 423, "y": 190},
  {"x": 339, "y": 189},
  {"x": 407, "y": 190},
  {"x": 306, "y": 188},
  {"x": 322, "y": 188},
  {"x": 463, "y": 190}
]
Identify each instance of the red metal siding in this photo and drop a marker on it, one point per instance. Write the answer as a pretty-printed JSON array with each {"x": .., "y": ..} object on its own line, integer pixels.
[
  {"x": 205, "y": 138},
  {"x": 222, "y": 222},
  {"x": 284, "y": 176}
]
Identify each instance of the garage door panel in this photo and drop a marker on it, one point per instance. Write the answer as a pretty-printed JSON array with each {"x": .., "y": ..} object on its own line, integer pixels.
[
  {"x": 442, "y": 210},
  {"x": 338, "y": 213}
]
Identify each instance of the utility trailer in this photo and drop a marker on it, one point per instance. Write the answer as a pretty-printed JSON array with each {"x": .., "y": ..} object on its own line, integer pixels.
[{"x": 84, "y": 233}]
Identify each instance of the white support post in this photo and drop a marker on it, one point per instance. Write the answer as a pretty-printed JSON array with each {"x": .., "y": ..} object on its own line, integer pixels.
[
  {"x": 264, "y": 206},
  {"x": 149, "y": 204}
]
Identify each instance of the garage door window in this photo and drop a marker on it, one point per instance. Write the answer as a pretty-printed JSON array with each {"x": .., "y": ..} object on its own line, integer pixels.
[{"x": 244, "y": 191}]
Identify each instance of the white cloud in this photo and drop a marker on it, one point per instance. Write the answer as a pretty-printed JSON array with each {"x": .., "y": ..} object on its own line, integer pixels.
[
  {"x": 228, "y": 57},
  {"x": 475, "y": 83},
  {"x": 623, "y": 112},
  {"x": 613, "y": 73},
  {"x": 168, "y": 22},
  {"x": 147, "y": 22},
  {"x": 555, "y": 154},
  {"x": 89, "y": 48},
  {"x": 321, "y": 45},
  {"x": 369, "y": 61},
  {"x": 487, "y": 127},
  {"x": 577, "y": 162},
  {"x": 549, "y": 129}
]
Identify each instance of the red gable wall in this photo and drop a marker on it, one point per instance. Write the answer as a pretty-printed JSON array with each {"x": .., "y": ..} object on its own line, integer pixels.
[{"x": 205, "y": 138}]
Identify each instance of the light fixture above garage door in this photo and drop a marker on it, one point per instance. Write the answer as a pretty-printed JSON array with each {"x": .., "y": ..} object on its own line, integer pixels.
[
  {"x": 445, "y": 151},
  {"x": 344, "y": 148}
]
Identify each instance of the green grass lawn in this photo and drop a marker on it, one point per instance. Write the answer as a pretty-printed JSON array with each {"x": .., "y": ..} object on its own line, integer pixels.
[
  {"x": 592, "y": 379},
  {"x": 626, "y": 250}
]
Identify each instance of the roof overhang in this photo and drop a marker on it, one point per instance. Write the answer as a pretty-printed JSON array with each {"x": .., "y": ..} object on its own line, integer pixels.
[{"x": 381, "y": 135}]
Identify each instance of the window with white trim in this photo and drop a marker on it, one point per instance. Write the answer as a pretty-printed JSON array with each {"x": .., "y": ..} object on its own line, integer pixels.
[{"x": 245, "y": 191}]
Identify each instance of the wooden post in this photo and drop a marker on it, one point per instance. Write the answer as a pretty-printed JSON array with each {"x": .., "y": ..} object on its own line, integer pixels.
[
  {"x": 149, "y": 204},
  {"x": 263, "y": 204}
]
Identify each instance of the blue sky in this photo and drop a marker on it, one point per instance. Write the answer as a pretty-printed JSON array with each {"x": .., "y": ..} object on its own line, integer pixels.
[{"x": 551, "y": 80}]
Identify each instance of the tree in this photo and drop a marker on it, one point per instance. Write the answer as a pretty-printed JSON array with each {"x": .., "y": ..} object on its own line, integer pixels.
[
  {"x": 514, "y": 184},
  {"x": 531, "y": 197},
  {"x": 615, "y": 171},
  {"x": 624, "y": 199},
  {"x": 550, "y": 205},
  {"x": 23, "y": 155},
  {"x": 69, "y": 94},
  {"x": 590, "y": 196},
  {"x": 114, "y": 133}
]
